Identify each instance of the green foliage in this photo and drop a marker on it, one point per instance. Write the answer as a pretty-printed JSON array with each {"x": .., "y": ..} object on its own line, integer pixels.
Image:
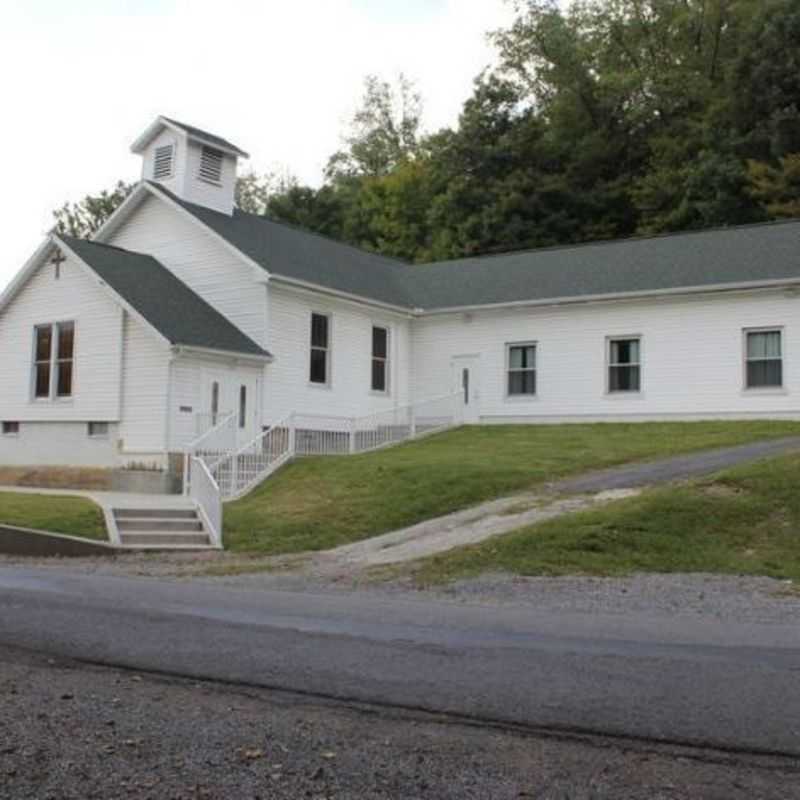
[
  {"x": 83, "y": 218},
  {"x": 75, "y": 516},
  {"x": 744, "y": 522},
  {"x": 611, "y": 118},
  {"x": 317, "y": 503}
]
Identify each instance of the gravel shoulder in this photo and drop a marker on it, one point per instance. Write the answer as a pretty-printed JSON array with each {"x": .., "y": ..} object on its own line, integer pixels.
[{"x": 70, "y": 731}]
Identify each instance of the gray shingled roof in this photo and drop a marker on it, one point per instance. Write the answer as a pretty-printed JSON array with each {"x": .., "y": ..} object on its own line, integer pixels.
[
  {"x": 294, "y": 253},
  {"x": 751, "y": 253},
  {"x": 209, "y": 138},
  {"x": 167, "y": 303}
]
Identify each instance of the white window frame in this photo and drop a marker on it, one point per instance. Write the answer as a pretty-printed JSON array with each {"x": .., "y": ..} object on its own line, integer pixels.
[
  {"x": 386, "y": 361},
  {"x": 781, "y": 389},
  {"x": 610, "y": 340},
  {"x": 535, "y": 370},
  {"x": 311, "y": 347},
  {"x": 54, "y": 362}
]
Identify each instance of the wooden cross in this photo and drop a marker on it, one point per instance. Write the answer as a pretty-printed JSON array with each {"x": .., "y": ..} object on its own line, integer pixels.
[{"x": 58, "y": 259}]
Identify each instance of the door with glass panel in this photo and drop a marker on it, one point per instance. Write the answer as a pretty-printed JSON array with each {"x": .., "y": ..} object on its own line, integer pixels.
[{"x": 466, "y": 381}]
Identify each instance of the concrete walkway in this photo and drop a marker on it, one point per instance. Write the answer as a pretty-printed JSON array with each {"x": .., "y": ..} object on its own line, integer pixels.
[
  {"x": 108, "y": 501},
  {"x": 561, "y": 497}
]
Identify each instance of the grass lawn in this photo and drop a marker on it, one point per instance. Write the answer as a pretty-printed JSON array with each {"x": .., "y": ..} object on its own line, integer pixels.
[
  {"x": 743, "y": 521},
  {"x": 76, "y": 516},
  {"x": 318, "y": 503}
]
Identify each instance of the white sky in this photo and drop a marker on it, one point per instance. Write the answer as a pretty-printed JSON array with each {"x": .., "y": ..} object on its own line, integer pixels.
[{"x": 80, "y": 80}]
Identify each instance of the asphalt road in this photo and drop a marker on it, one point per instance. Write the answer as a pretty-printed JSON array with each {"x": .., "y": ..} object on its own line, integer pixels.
[{"x": 674, "y": 680}]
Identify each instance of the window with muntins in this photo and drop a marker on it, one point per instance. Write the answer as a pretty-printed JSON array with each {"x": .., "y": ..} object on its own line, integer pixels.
[
  {"x": 521, "y": 369},
  {"x": 624, "y": 365},
  {"x": 211, "y": 165},
  {"x": 54, "y": 360},
  {"x": 764, "y": 360},
  {"x": 380, "y": 359},
  {"x": 163, "y": 158},
  {"x": 319, "y": 367}
]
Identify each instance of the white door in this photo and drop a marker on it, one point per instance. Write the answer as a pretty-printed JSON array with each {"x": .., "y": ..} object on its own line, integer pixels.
[
  {"x": 247, "y": 408},
  {"x": 216, "y": 398},
  {"x": 466, "y": 380}
]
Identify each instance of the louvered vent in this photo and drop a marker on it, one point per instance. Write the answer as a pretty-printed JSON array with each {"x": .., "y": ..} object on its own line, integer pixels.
[
  {"x": 162, "y": 163},
  {"x": 211, "y": 165}
]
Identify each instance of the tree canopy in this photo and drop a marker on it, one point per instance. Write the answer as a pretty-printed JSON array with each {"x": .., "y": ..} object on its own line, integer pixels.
[{"x": 610, "y": 119}]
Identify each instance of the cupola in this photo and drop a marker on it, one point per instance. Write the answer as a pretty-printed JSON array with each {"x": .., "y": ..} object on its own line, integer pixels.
[{"x": 195, "y": 165}]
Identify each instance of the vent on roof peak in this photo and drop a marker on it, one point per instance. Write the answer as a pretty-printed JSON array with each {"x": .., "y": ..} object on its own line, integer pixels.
[
  {"x": 211, "y": 165},
  {"x": 163, "y": 161}
]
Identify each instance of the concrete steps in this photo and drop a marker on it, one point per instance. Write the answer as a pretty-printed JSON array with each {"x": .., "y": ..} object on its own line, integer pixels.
[{"x": 161, "y": 529}]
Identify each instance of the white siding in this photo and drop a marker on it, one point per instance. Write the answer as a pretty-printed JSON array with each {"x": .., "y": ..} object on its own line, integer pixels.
[
  {"x": 59, "y": 444},
  {"x": 287, "y": 378},
  {"x": 145, "y": 382},
  {"x": 167, "y": 137},
  {"x": 191, "y": 380},
  {"x": 193, "y": 254},
  {"x": 74, "y": 296},
  {"x": 692, "y": 353},
  {"x": 195, "y": 190}
]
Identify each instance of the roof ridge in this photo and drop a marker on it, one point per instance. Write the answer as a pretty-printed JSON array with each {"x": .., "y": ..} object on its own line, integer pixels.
[{"x": 606, "y": 242}]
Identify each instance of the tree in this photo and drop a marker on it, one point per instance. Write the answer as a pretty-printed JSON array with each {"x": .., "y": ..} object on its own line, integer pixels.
[
  {"x": 777, "y": 189},
  {"x": 254, "y": 191},
  {"x": 384, "y": 131},
  {"x": 84, "y": 218}
]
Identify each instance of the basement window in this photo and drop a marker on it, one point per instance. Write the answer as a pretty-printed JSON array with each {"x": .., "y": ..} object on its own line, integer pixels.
[
  {"x": 98, "y": 430},
  {"x": 163, "y": 160},
  {"x": 211, "y": 165},
  {"x": 11, "y": 429}
]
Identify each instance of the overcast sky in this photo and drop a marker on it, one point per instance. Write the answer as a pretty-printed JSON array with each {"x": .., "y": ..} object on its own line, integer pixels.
[{"x": 80, "y": 80}]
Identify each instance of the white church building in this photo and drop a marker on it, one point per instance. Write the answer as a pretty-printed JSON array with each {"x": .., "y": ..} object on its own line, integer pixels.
[{"x": 183, "y": 310}]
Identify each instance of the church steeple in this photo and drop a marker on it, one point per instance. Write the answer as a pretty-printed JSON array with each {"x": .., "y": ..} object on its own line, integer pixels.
[{"x": 195, "y": 165}]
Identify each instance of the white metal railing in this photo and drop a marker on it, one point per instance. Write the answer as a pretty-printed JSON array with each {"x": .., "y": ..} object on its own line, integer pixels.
[
  {"x": 328, "y": 435},
  {"x": 205, "y": 492},
  {"x": 216, "y": 433},
  {"x": 215, "y": 471},
  {"x": 240, "y": 471}
]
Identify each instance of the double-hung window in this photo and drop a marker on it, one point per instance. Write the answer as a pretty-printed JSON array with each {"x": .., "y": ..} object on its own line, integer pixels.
[
  {"x": 521, "y": 369},
  {"x": 319, "y": 367},
  {"x": 764, "y": 359},
  {"x": 380, "y": 359},
  {"x": 54, "y": 360},
  {"x": 624, "y": 364}
]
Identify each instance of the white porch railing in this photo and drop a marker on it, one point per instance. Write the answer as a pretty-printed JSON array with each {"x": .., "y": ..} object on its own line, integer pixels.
[
  {"x": 205, "y": 492},
  {"x": 224, "y": 472},
  {"x": 239, "y": 472}
]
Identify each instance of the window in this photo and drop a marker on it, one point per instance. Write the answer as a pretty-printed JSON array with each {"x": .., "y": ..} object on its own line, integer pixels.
[
  {"x": 211, "y": 165},
  {"x": 521, "y": 369},
  {"x": 66, "y": 348},
  {"x": 214, "y": 402},
  {"x": 43, "y": 354},
  {"x": 54, "y": 360},
  {"x": 98, "y": 430},
  {"x": 624, "y": 365},
  {"x": 380, "y": 358},
  {"x": 11, "y": 429},
  {"x": 162, "y": 162},
  {"x": 320, "y": 351},
  {"x": 242, "y": 406},
  {"x": 764, "y": 359}
]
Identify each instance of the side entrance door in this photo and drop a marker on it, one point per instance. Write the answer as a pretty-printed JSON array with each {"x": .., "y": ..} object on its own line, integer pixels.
[
  {"x": 466, "y": 380},
  {"x": 247, "y": 403}
]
